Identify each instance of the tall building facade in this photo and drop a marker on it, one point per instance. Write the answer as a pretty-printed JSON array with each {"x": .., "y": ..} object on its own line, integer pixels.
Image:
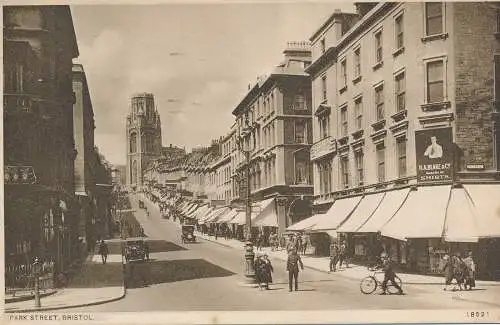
[
  {"x": 39, "y": 152},
  {"x": 143, "y": 137},
  {"x": 274, "y": 121},
  {"x": 406, "y": 129}
]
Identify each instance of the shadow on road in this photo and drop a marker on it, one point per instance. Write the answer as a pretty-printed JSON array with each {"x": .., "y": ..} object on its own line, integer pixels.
[
  {"x": 157, "y": 246},
  {"x": 156, "y": 272}
]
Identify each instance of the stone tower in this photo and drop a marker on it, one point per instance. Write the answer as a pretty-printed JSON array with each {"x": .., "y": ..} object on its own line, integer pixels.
[{"x": 143, "y": 137}]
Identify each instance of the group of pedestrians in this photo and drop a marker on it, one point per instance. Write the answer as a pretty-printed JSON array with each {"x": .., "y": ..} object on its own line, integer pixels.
[
  {"x": 338, "y": 255},
  {"x": 462, "y": 270},
  {"x": 264, "y": 269}
]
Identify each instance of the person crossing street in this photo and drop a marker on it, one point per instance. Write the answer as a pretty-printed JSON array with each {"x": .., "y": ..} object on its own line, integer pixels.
[
  {"x": 292, "y": 266},
  {"x": 389, "y": 274}
]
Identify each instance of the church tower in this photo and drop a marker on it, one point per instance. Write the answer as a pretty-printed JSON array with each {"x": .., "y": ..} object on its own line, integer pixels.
[{"x": 143, "y": 137}]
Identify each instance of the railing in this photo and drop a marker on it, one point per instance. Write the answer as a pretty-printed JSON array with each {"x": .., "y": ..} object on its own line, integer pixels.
[{"x": 20, "y": 278}]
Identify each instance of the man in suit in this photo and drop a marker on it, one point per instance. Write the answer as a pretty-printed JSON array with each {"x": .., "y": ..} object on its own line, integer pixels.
[{"x": 292, "y": 266}]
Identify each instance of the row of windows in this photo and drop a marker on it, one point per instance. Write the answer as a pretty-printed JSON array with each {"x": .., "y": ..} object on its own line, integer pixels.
[
  {"x": 354, "y": 178},
  {"x": 435, "y": 93},
  {"x": 434, "y": 25}
]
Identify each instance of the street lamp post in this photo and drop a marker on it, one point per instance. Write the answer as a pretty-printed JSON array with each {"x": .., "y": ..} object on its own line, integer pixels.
[
  {"x": 249, "y": 253},
  {"x": 36, "y": 273}
]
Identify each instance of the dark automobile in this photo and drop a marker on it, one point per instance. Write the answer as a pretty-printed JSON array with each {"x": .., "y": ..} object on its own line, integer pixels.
[
  {"x": 188, "y": 234},
  {"x": 136, "y": 250},
  {"x": 141, "y": 204}
]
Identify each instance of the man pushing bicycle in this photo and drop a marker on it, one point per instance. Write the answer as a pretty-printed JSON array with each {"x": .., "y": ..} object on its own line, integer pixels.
[{"x": 389, "y": 274}]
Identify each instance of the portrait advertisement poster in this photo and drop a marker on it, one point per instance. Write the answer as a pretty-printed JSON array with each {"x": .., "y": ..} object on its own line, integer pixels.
[{"x": 434, "y": 154}]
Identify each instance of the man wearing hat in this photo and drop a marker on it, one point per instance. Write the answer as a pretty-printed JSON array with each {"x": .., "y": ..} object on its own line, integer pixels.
[{"x": 292, "y": 266}]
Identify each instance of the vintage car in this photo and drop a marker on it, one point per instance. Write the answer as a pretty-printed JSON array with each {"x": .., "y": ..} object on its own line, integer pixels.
[
  {"x": 136, "y": 250},
  {"x": 141, "y": 204},
  {"x": 188, "y": 233}
]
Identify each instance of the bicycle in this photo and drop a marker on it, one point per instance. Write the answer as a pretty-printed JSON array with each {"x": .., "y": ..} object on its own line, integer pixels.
[{"x": 370, "y": 283}]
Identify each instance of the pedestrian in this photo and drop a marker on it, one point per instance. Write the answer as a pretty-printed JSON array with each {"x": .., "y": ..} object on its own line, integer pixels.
[
  {"x": 259, "y": 270},
  {"x": 304, "y": 245},
  {"x": 343, "y": 254},
  {"x": 146, "y": 250},
  {"x": 292, "y": 266},
  {"x": 389, "y": 274},
  {"x": 298, "y": 243},
  {"x": 103, "y": 251},
  {"x": 268, "y": 270},
  {"x": 471, "y": 271},
  {"x": 334, "y": 257}
]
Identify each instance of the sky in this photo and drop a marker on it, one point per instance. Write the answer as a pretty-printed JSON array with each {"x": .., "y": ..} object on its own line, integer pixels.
[{"x": 197, "y": 60}]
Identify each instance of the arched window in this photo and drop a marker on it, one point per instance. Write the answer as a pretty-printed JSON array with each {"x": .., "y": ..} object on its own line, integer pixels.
[{"x": 133, "y": 143}]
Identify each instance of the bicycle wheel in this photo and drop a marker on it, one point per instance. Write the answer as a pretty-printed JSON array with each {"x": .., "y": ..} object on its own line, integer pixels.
[
  {"x": 392, "y": 289},
  {"x": 368, "y": 285}
]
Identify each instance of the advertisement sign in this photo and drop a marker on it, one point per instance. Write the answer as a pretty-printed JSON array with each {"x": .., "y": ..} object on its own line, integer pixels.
[{"x": 434, "y": 153}]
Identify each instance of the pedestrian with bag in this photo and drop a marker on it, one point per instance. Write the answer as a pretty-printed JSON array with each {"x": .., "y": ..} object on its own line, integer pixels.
[
  {"x": 470, "y": 280},
  {"x": 292, "y": 266}
]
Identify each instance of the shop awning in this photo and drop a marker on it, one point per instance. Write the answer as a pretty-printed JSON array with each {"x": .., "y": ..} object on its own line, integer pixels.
[
  {"x": 239, "y": 219},
  {"x": 306, "y": 224},
  {"x": 486, "y": 202},
  {"x": 422, "y": 214},
  {"x": 267, "y": 216},
  {"x": 460, "y": 225},
  {"x": 338, "y": 213},
  {"x": 390, "y": 204},
  {"x": 227, "y": 217},
  {"x": 204, "y": 212},
  {"x": 362, "y": 213},
  {"x": 207, "y": 216},
  {"x": 200, "y": 211},
  {"x": 214, "y": 216}
]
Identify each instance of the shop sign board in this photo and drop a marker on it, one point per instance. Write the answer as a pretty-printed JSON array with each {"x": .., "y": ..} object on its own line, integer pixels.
[{"x": 434, "y": 155}]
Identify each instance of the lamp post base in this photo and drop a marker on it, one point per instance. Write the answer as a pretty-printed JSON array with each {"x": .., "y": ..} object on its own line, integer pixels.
[{"x": 249, "y": 278}]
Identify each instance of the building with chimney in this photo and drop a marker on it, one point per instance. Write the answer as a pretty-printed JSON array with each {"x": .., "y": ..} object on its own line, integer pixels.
[
  {"x": 143, "y": 137},
  {"x": 273, "y": 121},
  {"x": 406, "y": 132}
]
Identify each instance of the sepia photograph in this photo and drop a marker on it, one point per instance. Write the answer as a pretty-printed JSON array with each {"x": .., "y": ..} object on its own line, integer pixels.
[{"x": 251, "y": 162}]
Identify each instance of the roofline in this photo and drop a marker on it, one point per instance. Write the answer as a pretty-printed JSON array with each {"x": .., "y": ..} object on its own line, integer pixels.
[
  {"x": 244, "y": 102},
  {"x": 328, "y": 21}
]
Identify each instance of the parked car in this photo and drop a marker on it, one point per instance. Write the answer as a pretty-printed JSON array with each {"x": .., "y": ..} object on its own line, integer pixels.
[
  {"x": 136, "y": 250},
  {"x": 188, "y": 234}
]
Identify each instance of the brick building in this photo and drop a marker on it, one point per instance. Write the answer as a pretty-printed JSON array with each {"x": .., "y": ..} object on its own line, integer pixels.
[
  {"x": 406, "y": 133},
  {"x": 40, "y": 213}
]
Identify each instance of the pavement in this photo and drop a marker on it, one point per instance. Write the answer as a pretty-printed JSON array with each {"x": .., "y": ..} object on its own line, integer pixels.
[{"x": 96, "y": 284}]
